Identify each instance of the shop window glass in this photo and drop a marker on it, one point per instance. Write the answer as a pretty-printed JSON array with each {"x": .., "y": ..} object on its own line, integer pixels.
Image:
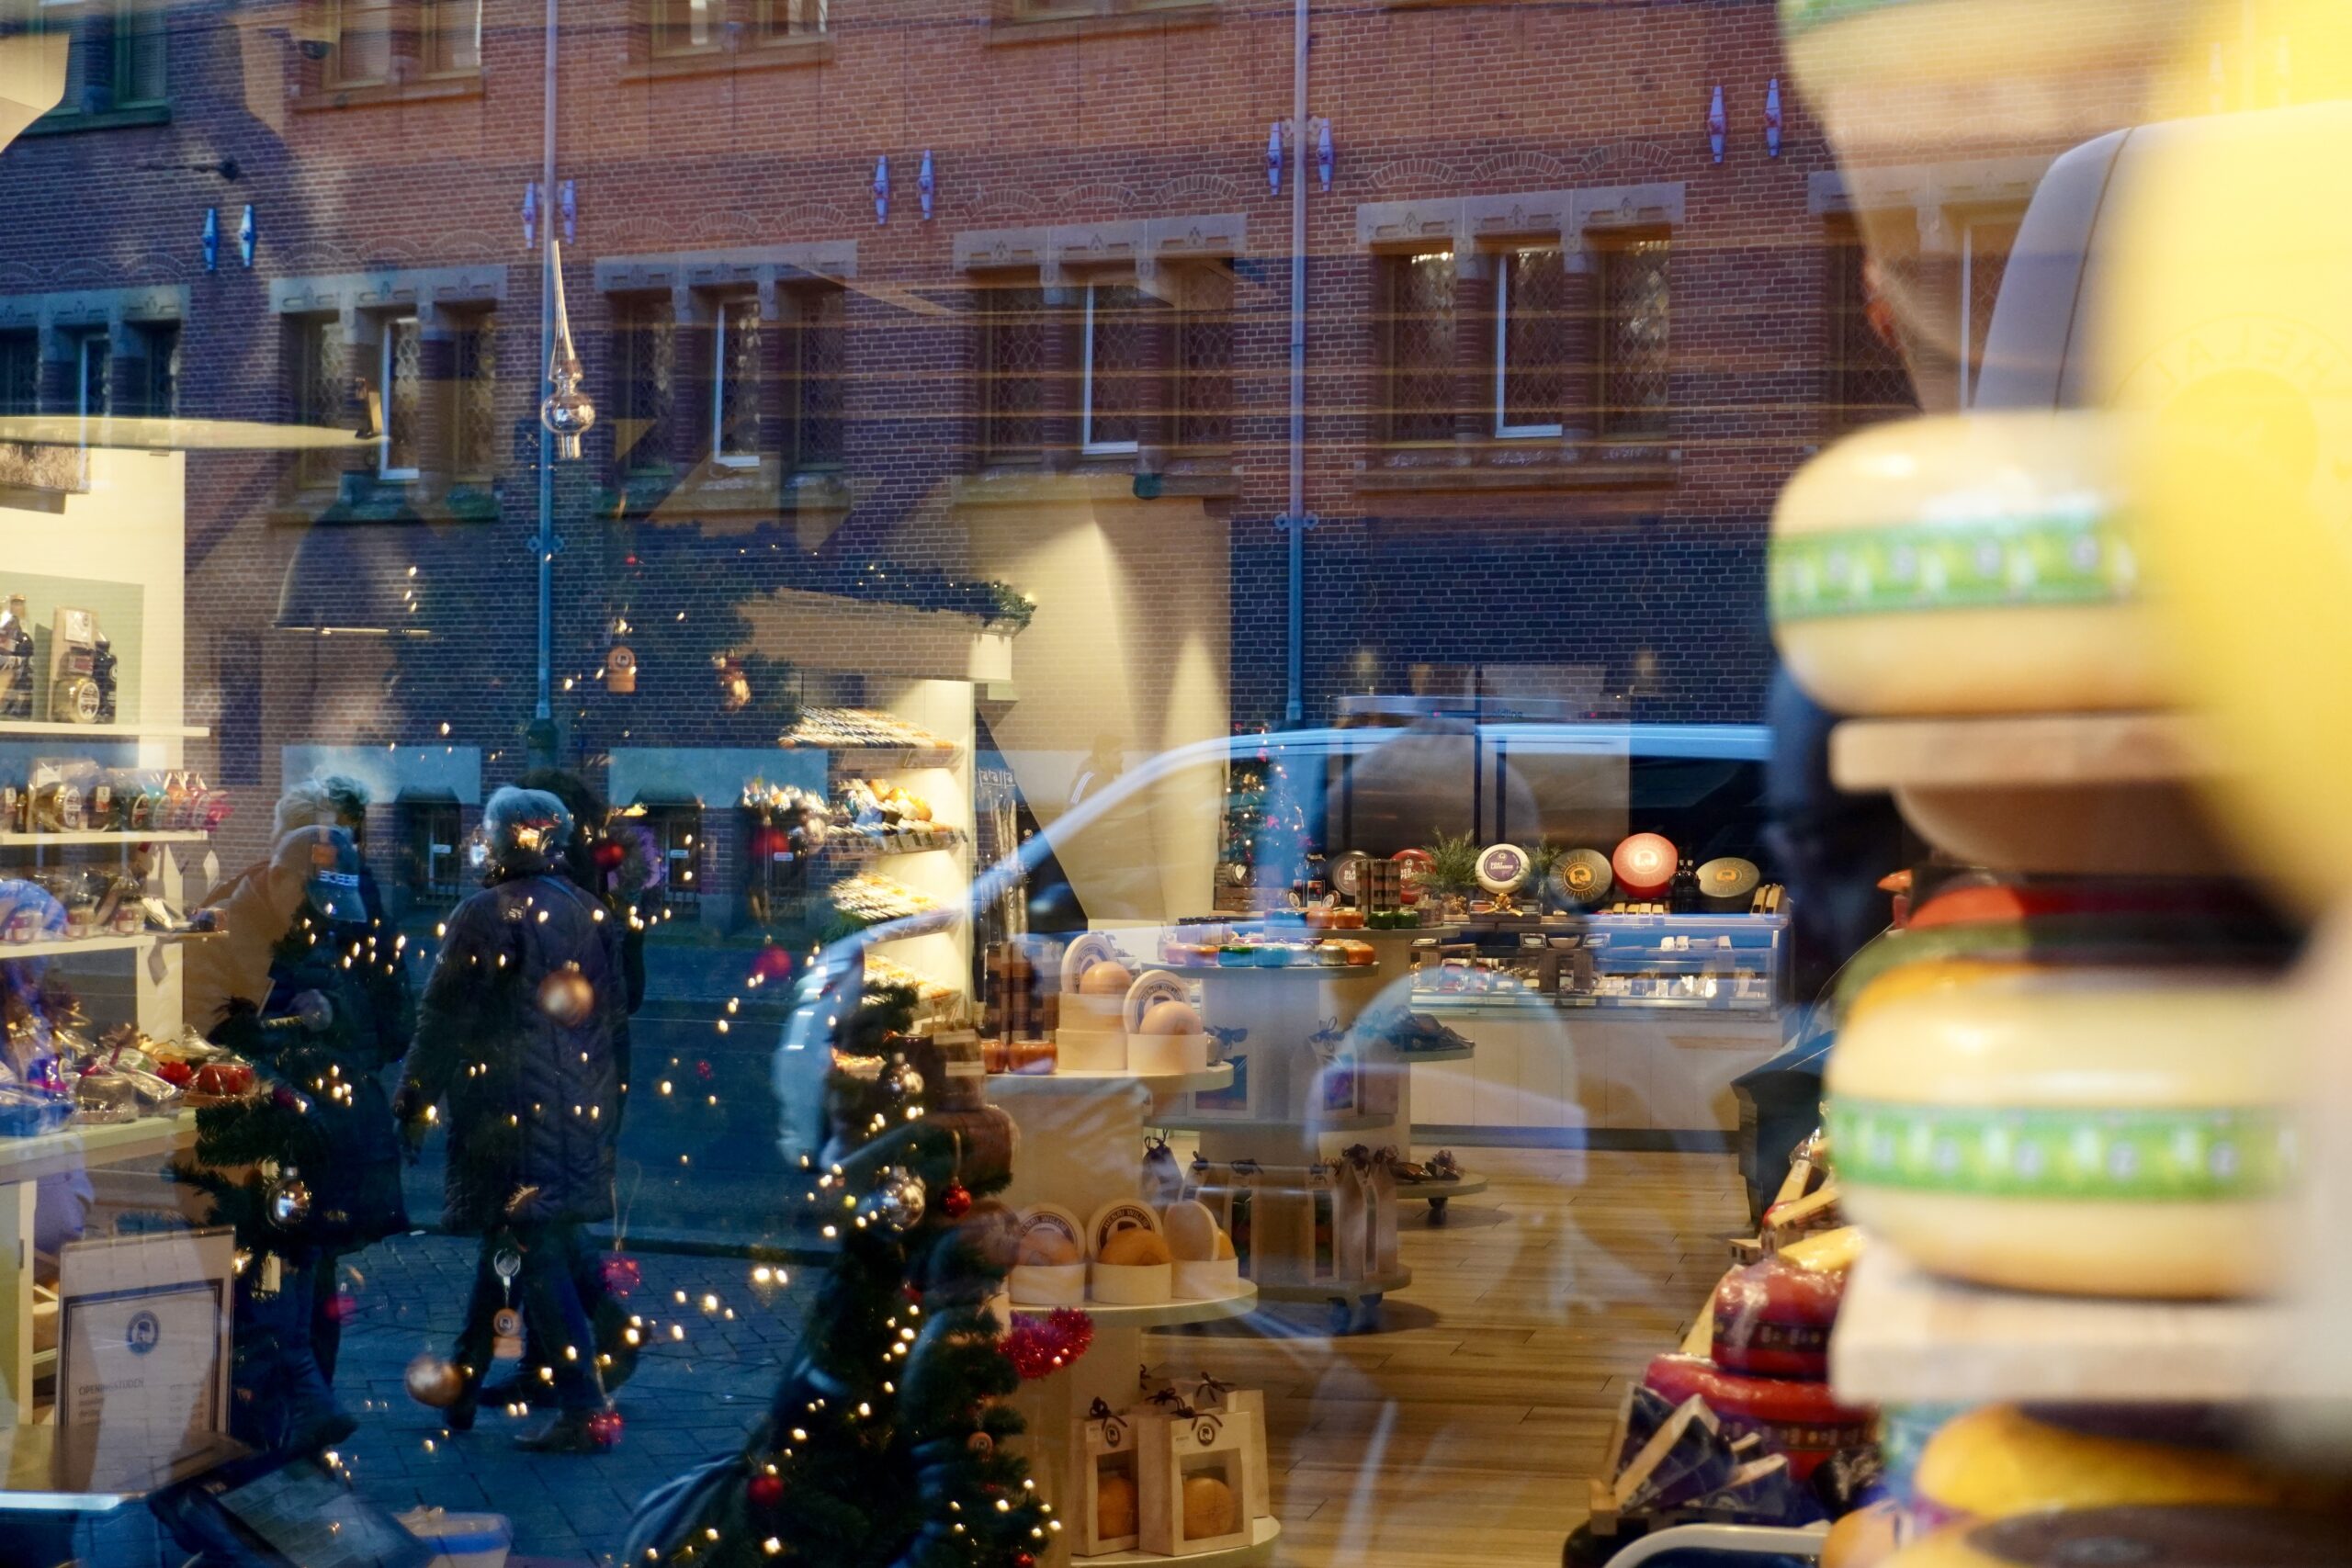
[
  {"x": 1634, "y": 390},
  {"x": 1532, "y": 369},
  {"x": 116, "y": 60},
  {"x": 1417, "y": 344},
  {"x": 735, "y": 383},
  {"x": 403, "y": 398},
  {"x": 1116, "y": 386},
  {"x": 644, "y": 379},
  {"x": 686, "y": 27},
  {"x": 320, "y": 385},
  {"x": 360, "y": 54},
  {"x": 474, "y": 428},
  {"x": 452, "y": 37},
  {"x": 158, "y": 361},
  {"x": 789, "y": 18}
]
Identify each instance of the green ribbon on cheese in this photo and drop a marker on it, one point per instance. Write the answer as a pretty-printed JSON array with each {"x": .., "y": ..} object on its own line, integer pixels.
[
  {"x": 2126, "y": 1155},
  {"x": 2064, "y": 559}
]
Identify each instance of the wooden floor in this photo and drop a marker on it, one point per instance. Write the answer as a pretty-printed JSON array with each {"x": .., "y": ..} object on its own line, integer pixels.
[{"x": 1462, "y": 1431}]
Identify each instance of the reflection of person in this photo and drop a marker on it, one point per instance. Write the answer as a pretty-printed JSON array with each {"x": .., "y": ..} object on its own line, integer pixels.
[
  {"x": 303, "y": 1014},
  {"x": 517, "y": 1033},
  {"x": 1105, "y": 762},
  {"x": 1830, "y": 850}
]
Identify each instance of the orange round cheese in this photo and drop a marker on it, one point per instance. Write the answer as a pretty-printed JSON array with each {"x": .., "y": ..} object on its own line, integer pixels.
[
  {"x": 1134, "y": 1248},
  {"x": 1114, "y": 1506},
  {"x": 1105, "y": 980},
  {"x": 1209, "y": 1508},
  {"x": 1170, "y": 1018}
]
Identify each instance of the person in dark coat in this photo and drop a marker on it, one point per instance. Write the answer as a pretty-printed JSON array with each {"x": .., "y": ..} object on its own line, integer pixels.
[{"x": 517, "y": 1033}]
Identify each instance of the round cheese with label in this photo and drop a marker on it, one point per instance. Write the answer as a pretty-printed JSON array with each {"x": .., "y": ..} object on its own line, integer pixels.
[
  {"x": 1134, "y": 1248},
  {"x": 2187, "y": 1537},
  {"x": 1799, "y": 1418},
  {"x": 1998, "y": 1461},
  {"x": 2095, "y": 1130},
  {"x": 1974, "y": 564}
]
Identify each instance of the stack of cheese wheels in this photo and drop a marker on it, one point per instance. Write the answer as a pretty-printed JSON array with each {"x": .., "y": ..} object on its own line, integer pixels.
[
  {"x": 1772, "y": 1318},
  {"x": 1974, "y": 564},
  {"x": 1794, "y": 1417},
  {"x": 2095, "y": 1129}
]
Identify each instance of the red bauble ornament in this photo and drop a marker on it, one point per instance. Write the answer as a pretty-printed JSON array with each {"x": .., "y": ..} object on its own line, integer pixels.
[
  {"x": 609, "y": 853},
  {"x": 956, "y": 1202},
  {"x": 342, "y": 1306},
  {"x": 703, "y": 1071},
  {"x": 766, "y": 1490},
  {"x": 621, "y": 1275},
  {"x": 1040, "y": 1349},
  {"x": 1022, "y": 1560},
  {"x": 773, "y": 964},
  {"x": 606, "y": 1427},
  {"x": 911, "y": 1292}
]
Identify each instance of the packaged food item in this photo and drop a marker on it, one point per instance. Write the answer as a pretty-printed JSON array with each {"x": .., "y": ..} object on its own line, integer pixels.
[{"x": 1798, "y": 1418}]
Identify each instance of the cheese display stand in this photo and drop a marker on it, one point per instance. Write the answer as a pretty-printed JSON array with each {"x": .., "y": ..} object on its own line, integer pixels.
[{"x": 104, "y": 836}]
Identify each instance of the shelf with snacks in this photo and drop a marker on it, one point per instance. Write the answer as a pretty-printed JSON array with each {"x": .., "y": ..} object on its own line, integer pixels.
[
  {"x": 1905, "y": 1336},
  {"x": 14, "y": 729},
  {"x": 74, "y": 837}
]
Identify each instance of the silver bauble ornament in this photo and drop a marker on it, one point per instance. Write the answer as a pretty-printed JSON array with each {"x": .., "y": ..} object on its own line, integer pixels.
[
  {"x": 288, "y": 1201},
  {"x": 565, "y": 997},
  {"x": 903, "y": 1080},
  {"x": 899, "y": 1200}
]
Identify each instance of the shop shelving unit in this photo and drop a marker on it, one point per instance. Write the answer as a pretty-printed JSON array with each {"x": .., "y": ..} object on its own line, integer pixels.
[
  {"x": 1082, "y": 1144},
  {"x": 117, "y": 548}
]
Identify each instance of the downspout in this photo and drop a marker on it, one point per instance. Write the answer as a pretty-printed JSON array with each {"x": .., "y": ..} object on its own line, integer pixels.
[
  {"x": 543, "y": 745},
  {"x": 1295, "y": 519}
]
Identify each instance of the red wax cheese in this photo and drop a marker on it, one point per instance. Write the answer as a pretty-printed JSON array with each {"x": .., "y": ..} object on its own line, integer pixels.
[
  {"x": 1795, "y": 1417},
  {"x": 1644, "y": 865},
  {"x": 1773, "y": 1318}
]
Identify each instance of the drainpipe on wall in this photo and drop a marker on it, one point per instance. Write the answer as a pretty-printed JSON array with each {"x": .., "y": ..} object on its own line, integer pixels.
[
  {"x": 1295, "y": 521},
  {"x": 541, "y": 746}
]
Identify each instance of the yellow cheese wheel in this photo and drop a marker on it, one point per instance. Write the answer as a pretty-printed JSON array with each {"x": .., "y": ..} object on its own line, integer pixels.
[
  {"x": 1105, "y": 980},
  {"x": 1826, "y": 1252},
  {"x": 1224, "y": 1246},
  {"x": 1210, "y": 1508},
  {"x": 1997, "y": 1460},
  {"x": 2231, "y": 338},
  {"x": 1863, "y": 1539},
  {"x": 1047, "y": 1248},
  {"x": 1170, "y": 1018},
  {"x": 1114, "y": 1505},
  {"x": 1191, "y": 1230},
  {"x": 2181, "y": 1536},
  {"x": 1971, "y": 564},
  {"x": 1133, "y": 1248},
  {"x": 2097, "y": 1131}
]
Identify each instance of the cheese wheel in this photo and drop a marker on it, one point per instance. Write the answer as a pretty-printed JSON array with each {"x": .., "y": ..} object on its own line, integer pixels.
[
  {"x": 1134, "y": 1248},
  {"x": 1170, "y": 1018},
  {"x": 1192, "y": 1231},
  {"x": 1114, "y": 1506},
  {"x": 1795, "y": 1417},
  {"x": 1210, "y": 1508},
  {"x": 1083, "y": 953},
  {"x": 1997, "y": 1460},
  {"x": 1773, "y": 1318},
  {"x": 1863, "y": 1539},
  {"x": 2096, "y": 1131},
  {"x": 1975, "y": 564},
  {"x": 1644, "y": 865},
  {"x": 2191, "y": 1536},
  {"x": 1108, "y": 978}
]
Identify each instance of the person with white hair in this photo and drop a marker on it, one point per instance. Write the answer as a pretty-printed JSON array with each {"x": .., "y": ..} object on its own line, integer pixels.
[{"x": 516, "y": 1034}]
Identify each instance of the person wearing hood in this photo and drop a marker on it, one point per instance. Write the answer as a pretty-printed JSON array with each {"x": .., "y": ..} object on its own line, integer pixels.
[{"x": 516, "y": 1035}]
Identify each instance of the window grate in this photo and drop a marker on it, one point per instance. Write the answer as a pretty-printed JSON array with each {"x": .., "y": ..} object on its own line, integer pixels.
[
  {"x": 822, "y": 379},
  {"x": 19, "y": 373},
  {"x": 1635, "y": 391},
  {"x": 646, "y": 351},
  {"x": 1418, "y": 328},
  {"x": 321, "y": 374},
  {"x": 735, "y": 437},
  {"x": 1118, "y": 366},
  {"x": 1532, "y": 377},
  {"x": 1205, "y": 361},
  {"x": 474, "y": 431},
  {"x": 403, "y": 397},
  {"x": 1013, "y": 373},
  {"x": 1867, "y": 380}
]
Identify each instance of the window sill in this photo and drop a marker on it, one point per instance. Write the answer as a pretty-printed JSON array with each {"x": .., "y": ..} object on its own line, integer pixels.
[
  {"x": 1095, "y": 483},
  {"x": 424, "y": 90},
  {"x": 1142, "y": 15},
  {"x": 724, "y": 489},
  {"x": 56, "y": 124},
  {"x": 780, "y": 55},
  {"x": 1484, "y": 471},
  {"x": 365, "y": 500}
]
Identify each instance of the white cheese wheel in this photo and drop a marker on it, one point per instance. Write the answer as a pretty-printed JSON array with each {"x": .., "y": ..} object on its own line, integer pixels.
[
  {"x": 2107, "y": 1132},
  {"x": 1973, "y": 564}
]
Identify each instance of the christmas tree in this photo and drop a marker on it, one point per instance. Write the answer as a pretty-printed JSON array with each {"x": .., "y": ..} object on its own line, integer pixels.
[{"x": 887, "y": 1443}]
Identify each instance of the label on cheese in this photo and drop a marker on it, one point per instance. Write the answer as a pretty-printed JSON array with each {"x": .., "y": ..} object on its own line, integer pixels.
[
  {"x": 2136, "y": 1156},
  {"x": 2065, "y": 558}
]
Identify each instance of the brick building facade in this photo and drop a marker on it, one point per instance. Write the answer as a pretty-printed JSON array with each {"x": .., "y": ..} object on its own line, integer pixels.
[{"x": 1561, "y": 355}]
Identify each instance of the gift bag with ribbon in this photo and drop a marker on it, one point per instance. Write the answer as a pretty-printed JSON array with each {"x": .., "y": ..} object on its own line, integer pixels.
[
  {"x": 1230, "y": 1194},
  {"x": 1194, "y": 1465},
  {"x": 1326, "y": 1080},
  {"x": 1219, "y": 1397},
  {"x": 1365, "y": 1211},
  {"x": 1106, "y": 1483}
]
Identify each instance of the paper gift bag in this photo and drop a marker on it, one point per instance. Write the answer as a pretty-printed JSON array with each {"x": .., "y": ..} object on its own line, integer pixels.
[
  {"x": 1364, "y": 1216},
  {"x": 1195, "y": 1466},
  {"x": 1326, "y": 1080},
  {"x": 1241, "y": 1405},
  {"x": 1244, "y": 1099},
  {"x": 1295, "y": 1220},
  {"x": 1106, "y": 1483},
  {"x": 1230, "y": 1194}
]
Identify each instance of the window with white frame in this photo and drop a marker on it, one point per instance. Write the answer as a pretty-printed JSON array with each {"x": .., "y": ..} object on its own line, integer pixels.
[
  {"x": 1115, "y": 386},
  {"x": 1532, "y": 375},
  {"x": 735, "y": 383},
  {"x": 404, "y": 400}
]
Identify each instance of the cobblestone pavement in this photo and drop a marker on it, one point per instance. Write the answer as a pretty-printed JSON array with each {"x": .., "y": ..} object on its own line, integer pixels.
[{"x": 703, "y": 1381}]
